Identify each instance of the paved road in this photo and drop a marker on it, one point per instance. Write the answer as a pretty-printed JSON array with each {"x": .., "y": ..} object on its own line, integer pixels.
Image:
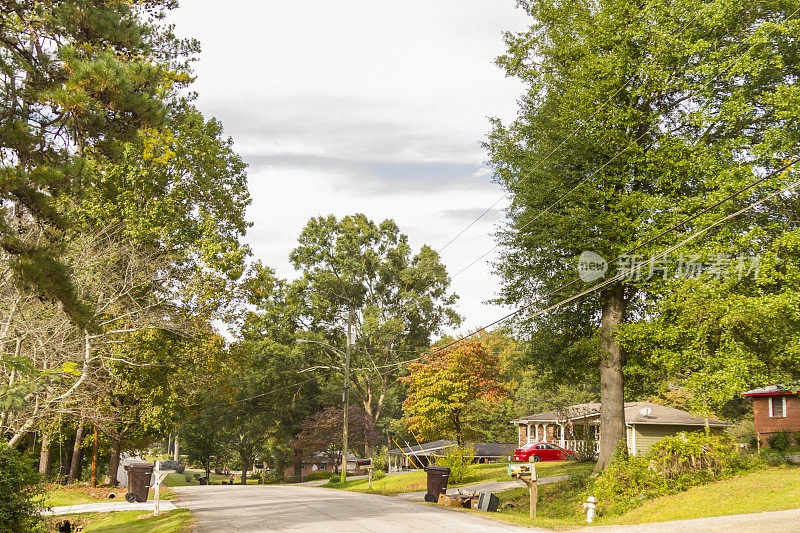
[
  {"x": 256, "y": 508},
  {"x": 776, "y": 521}
]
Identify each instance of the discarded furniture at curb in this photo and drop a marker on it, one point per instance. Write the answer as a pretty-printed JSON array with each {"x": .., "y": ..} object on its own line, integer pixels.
[{"x": 488, "y": 502}]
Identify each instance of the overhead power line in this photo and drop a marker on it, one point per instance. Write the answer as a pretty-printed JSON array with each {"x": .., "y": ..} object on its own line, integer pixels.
[
  {"x": 581, "y": 123},
  {"x": 594, "y": 288},
  {"x": 547, "y": 209}
]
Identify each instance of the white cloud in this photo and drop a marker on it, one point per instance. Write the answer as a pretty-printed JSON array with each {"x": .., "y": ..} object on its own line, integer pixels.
[{"x": 362, "y": 106}]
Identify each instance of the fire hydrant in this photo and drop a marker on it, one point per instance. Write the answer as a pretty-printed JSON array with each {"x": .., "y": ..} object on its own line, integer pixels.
[{"x": 589, "y": 507}]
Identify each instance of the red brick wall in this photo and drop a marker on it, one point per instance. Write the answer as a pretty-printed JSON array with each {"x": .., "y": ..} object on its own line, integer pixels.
[
  {"x": 523, "y": 434},
  {"x": 765, "y": 425}
]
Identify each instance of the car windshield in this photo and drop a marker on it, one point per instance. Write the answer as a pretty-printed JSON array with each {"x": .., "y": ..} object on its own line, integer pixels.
[{"x": 528, "y": 446}]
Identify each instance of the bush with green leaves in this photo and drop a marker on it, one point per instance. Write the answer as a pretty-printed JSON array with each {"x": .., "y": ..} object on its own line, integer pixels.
[
  {"x": 320, "y": 474},
  {"x": 673, "y": 464},
  {"x": 377, "y": 473},
  {"x": 457, "y": 459},
  {"x": 21, "y": 494},
  {"x": 780, "y": 441}
]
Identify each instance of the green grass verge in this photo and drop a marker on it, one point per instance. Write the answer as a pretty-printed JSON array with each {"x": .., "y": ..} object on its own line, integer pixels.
[
  {"x": 416, "y": 481},
  {"x": 177, "y": 521},
  {"x": 771, "y": 489},
  {"x": 559, "y": 504},
  {"x": 57, "y": 495}
]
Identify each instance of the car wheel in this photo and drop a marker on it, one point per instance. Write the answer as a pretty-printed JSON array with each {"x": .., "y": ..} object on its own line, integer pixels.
[{"x": 534, "y": 459}]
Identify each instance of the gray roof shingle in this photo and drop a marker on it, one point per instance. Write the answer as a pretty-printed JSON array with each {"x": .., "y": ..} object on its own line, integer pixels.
[{"x": 659, "y": 414}]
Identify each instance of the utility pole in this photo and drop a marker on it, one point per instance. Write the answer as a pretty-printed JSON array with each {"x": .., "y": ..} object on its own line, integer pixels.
[{"x": 345, "y": 396}]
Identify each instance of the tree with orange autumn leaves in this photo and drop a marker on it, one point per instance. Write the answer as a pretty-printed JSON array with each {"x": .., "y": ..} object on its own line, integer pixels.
[{"x": 448, "y": 389}]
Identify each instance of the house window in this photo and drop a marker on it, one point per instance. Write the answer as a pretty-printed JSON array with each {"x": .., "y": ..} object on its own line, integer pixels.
[{"x": 777, "y": 406}]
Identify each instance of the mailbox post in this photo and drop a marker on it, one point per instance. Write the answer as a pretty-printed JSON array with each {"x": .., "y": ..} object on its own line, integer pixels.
[
  {"x": 527, "y": 474},
  {"x": 158, "y": 478}
]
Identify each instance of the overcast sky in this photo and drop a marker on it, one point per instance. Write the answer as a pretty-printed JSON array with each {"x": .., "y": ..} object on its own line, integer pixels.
[{"x": 363, "y": 106}]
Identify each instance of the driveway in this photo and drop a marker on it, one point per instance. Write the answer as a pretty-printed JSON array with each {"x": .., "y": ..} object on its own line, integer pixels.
[{"x": 252, "y": 508}]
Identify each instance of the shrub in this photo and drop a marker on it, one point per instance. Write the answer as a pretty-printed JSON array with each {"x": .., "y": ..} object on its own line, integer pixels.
[
  {"x": 196, "y": 475},
  {"x": 180, "y": 469},
  {"x": 380, "y": 458},
  {"x": 21, "y": 493},
  {"x": 626, "y": 483},
  {"x": 780, "y": 441},
  {"x": 673, "y": 464},
  {"x": 457, "y": 459},
  {"x": 334, "y": 480},
  {"x": 319, "y": 475},
  {"x": 377, "y": 473}
]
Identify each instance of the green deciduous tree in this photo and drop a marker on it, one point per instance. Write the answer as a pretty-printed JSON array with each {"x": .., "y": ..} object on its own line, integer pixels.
[
  {"x": 398, "y": 299},
  {"x": 635, "y": 115}
]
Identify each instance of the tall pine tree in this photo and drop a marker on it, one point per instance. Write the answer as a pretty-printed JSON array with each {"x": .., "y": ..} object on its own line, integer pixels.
[{"x": 77, "y": 77}]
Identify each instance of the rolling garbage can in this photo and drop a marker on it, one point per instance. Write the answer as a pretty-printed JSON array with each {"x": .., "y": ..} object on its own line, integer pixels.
[
  {"x": 437, "y": 481},
  {"x": 203, "y": 480},
  {"x": 138, "y": 481}
]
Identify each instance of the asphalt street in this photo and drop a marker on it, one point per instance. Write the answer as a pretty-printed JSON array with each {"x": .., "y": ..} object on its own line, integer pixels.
[
  {"x": 252, "y": 508},
  {"x": 256, "y": 508}
]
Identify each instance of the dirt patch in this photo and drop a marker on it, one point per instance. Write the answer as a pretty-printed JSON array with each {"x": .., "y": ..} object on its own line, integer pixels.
[
  {"x": 52, "y": 522},
  {"x": 99, "y": 493}
]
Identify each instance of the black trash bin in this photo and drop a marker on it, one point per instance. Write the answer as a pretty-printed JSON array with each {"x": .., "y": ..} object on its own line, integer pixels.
[
  {"x": 437, "y": 482},
  {"x": 203, "y": 480},
  {"x": 138, "y": 481}
]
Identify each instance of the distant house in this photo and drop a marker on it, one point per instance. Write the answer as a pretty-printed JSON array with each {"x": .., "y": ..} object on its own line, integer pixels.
[
  {"x": 321, "y": 463},
  {"x": 775, "y": 408},
  {"x": 420, "y": 455},
  {"x": 578, "y": 426}
]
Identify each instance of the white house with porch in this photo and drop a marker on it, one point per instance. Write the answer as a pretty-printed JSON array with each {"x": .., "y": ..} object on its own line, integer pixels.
[{"x": 577, "y": 427}]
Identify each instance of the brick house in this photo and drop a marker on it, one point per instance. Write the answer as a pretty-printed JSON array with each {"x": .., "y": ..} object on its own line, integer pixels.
[{"x": 775, "y": 409}]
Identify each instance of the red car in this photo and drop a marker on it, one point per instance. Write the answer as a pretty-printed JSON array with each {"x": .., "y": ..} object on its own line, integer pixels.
[{"x": 542, "y": 451}]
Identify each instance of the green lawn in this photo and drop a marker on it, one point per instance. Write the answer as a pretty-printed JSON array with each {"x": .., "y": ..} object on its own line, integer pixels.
[
  {"x": 559, "y": 505},
  {"x": 177, "y": 521},
  {"x": 771, "y": 489},
  {"x": 415, "y": 481}
]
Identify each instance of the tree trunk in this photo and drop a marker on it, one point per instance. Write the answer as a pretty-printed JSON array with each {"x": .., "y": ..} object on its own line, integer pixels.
[
  {"x": 75, "y": 466},
  {"x": 177, "y": 455},
  {"x": 94, "y": 456},
  {"x": 113, "y": 461},
  {"x": 44, "y": 456},
  {"x": 612, "y": 359}
]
